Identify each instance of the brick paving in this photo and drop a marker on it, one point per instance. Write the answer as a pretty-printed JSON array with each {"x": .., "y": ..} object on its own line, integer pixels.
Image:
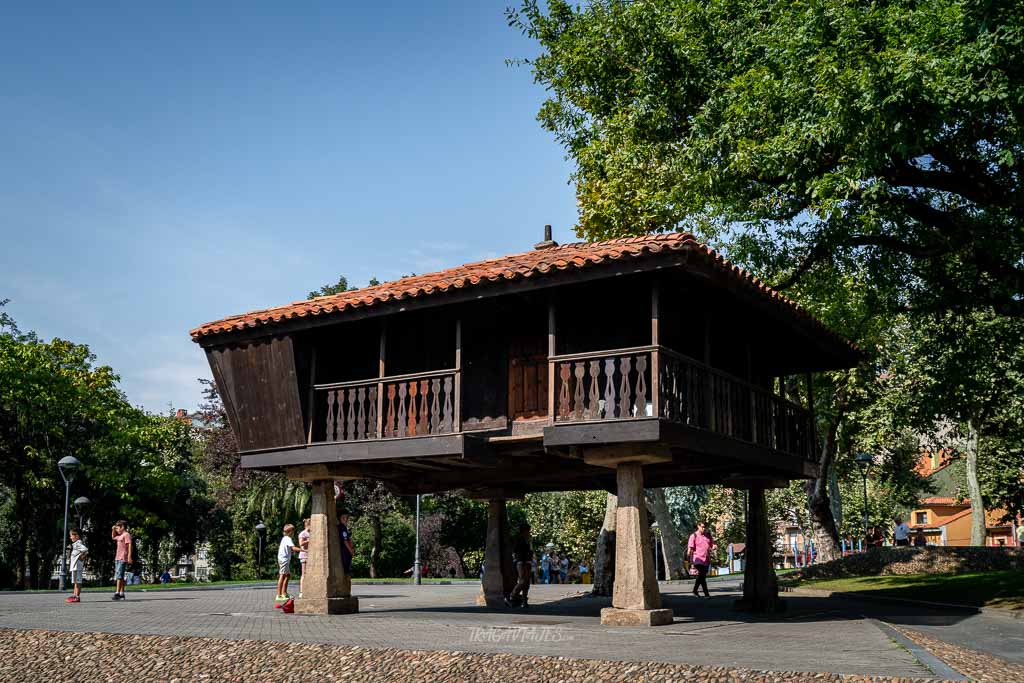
[{"x": 813, "y": 636}]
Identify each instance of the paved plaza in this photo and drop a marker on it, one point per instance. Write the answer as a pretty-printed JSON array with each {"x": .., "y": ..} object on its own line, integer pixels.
[{"x": 813, "y": 635}]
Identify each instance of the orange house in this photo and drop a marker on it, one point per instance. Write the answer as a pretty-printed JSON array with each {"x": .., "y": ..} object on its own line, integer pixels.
[{"x": 947, "y": 521}]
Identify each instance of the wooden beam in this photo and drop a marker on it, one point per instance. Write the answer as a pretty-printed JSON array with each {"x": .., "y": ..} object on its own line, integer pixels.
[
  {"x": 381, "y": 358},
  {"x": 551, "y": 364},
  {"x": 323, "y": 471},
  {"x": 312, "y": 394},
  {"x": 457, "y": 426}
]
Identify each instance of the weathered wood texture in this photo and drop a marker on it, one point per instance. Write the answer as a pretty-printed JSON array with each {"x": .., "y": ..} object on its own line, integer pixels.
[{"x": 259, "y": 387}]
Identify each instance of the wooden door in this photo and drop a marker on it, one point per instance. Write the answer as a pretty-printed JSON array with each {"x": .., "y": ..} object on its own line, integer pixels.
[{"x": 528, "y": 378}]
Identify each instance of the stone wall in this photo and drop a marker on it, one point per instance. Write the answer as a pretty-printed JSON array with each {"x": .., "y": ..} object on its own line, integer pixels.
[{"x": 929, "y": 560}]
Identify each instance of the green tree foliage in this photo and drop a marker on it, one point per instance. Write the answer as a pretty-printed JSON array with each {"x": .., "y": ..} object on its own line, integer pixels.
[
  {"x": 571, "y": 520},
  {"x": 337, "y": 288},
  {"x": 888, "y": 132},
  {"x": 397, "y": 546}
]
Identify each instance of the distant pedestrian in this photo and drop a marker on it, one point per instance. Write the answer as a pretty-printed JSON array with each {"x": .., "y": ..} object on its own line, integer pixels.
[
  {"x": 699, "y": 549},
  {"x": 523, "y": 554},
  {"x": 563, "y": 569},
  {"x": 304, "y": 544},
  {"x": 878, "y": 540},
  {"x": 165, "y": 578},
  {"x": 284, "y": 562},
  {"x": 545, "y": 564},
  {"x": 347, "y": 549},
  {"x": 123, "y": 557},
  {"x": 584, "y": 572},
  {"x": 919, "y": 538},
  {"x": 901, "y": 534},
  {"x": 77, "y": 566}
]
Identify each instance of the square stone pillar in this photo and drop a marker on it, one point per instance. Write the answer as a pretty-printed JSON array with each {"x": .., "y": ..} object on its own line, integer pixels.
[
  {"x": 760, "y": 584},
  {"x": 636, "y": 600},
  {"x": 499, "y": 578},
  {"x": 327, "y": 588}
]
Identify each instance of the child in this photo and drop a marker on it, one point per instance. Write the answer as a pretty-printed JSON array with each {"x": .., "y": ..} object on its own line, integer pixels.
[
  {"x": 284, "y": 562},
  {"x": 304, "y": 544},
  {"x": 78, "y": 555},
  {"x": 122, "y": 557}
]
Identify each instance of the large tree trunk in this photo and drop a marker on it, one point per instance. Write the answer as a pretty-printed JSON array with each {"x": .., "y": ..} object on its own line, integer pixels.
[
  {"x": 604, "y": 561},
  {"x": 669, "y": 535},
  {"x": 823, "y": 523},
  {"x": 973, "y": 487},
  {"x": 375, "y": 550}
]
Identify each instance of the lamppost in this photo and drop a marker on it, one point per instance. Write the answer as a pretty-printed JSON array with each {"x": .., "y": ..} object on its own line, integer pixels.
[
  {"x": 80, "y": 503},
  {"x": 417, "y": 579},
  {"x": 864, "y": 461},
  {"x": 67, "y": 466},
  {"x": 260, "y": 529}
]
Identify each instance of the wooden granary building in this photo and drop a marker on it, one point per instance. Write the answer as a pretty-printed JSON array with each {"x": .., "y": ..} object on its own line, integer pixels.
[{"x": 646, "y": 361}]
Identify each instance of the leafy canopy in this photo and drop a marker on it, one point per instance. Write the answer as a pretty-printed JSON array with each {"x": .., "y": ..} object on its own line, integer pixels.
[{"x": 827, "y": 129}]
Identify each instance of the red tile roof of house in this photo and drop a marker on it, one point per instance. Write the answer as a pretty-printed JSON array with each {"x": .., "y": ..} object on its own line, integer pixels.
[
  {"x": 944, "y": 500},
  {"x": 537, "y": 263}
]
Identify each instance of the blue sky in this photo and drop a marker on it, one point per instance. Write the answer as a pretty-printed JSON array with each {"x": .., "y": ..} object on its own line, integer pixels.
[{"x": 165, "y": 166}]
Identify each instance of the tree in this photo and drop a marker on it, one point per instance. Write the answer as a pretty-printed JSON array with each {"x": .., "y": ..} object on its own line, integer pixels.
[
  {"x": 886, "y": 132},
  {"x": 327, "y": 290}
]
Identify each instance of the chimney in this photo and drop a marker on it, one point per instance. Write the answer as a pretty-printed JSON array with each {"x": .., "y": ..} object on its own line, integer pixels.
[{"x": 548, "y": 243}]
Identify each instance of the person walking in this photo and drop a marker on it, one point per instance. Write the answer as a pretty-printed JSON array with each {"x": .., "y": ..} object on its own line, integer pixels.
[
  {"x": 347, "y": 549},
  {"x": 699, "y": 549},
  {"x": 901, "y": 535},
  {"x": 122, "y": 556},
  {"x": 523, "y": 554}
]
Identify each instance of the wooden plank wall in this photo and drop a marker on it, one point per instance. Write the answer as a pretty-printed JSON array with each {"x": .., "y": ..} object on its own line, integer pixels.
[{"x": 260, "y": 390}]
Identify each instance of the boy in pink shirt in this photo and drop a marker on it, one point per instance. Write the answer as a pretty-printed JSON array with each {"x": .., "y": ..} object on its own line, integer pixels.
[
  {"x": 699, "y": 549},
  {"x": 122, "y": 557}
]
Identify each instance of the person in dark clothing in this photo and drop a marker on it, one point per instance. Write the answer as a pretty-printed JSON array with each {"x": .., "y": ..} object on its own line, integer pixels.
[
  {"x": 523, "y": 554},
  {"x": 346, "y": 542}
]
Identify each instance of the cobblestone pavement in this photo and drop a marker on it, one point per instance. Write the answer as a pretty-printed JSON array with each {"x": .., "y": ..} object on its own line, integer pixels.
[
  {"x": 46, "y": 656},
  {"x": 980, "y": 666},
  {"x": 814, "y": 635}
]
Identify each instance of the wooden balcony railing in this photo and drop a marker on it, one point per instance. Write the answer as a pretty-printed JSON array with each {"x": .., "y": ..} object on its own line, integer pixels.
[
  {"x": 618, "y": 384},
  {"x": 417, "y": 404}
]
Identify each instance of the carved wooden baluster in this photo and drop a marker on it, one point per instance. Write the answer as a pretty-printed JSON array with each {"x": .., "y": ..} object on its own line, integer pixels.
[
  {"x": 609, "y": 388},
  {"x": 350, "y": 420},
  {"x": 625, "y": 364},
  {"x": 361, "y": 420},
  {"x": 402, "y": 390},
  {"x": 423, "y": 427},
  {"x": 564, "y": 407},
  {"x": 641, "y": 386},
  {"x": 329, "y": 426},
  {"x": 449, "y": 417},
  {"x": 413, "y": 390},
  {"x": 594, "y": 397},
  {"x": 371, "y": 419},
  {"x": 579, "y": 369},
  {"x": 390, "y": 430},
  {"x": 435, "y": 419}
]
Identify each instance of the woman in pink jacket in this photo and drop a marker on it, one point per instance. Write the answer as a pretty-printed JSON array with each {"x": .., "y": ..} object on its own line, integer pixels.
[{"x": 699, "y": 549}]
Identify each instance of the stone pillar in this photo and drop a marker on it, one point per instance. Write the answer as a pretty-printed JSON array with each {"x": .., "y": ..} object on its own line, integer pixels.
[
  {"x": 327, "y": 588},
  {"x": 760, "y": 585},
  {"x": 635, "y": 598},
  {"x": 499, "y": 577}
]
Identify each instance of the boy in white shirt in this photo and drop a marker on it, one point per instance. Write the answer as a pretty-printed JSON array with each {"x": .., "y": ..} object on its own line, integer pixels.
[
  {"x": 284, "y": 562},
  {"x": 78, "y": 555}
]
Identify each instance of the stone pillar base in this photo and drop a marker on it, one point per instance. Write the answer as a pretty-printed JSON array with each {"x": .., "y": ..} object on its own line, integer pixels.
[
  {"x": 345, "y": 605},
  {"x": 490, "y": 600},
  {"x": 613, "y": 616}
]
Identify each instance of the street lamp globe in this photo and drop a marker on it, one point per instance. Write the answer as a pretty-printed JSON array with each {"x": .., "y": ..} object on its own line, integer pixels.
[
  {"x": 82, "y": 501},
  {"x": 863, "y": 459},
  {"x": 261, "y": 527},
  {"x": 67, "y": 466}
]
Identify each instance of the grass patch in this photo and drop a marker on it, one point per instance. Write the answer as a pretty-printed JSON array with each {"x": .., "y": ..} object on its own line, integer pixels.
[{"x": 1003, "y": 589}]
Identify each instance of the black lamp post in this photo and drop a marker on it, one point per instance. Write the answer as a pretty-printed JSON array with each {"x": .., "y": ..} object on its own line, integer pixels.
[
  {"x": 260, "y": 529},
  {"x": 67, "y": 465},
  {"x": 80, "y": 503},
  {"x": 864, "y": 461}
]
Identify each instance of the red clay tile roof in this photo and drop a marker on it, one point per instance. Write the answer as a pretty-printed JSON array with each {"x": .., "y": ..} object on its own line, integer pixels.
[
  {"x": 531, "y": 264},
  {"x": 944, "y": 500}
]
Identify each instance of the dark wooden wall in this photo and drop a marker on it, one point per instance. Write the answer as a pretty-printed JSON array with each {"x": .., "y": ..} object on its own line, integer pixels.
[
  {"x": 258, "y": 384},
  {"x": 485, "y": 366}
]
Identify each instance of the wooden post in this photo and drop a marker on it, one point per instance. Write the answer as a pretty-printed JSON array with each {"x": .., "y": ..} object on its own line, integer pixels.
[
  {"x": 753, "y": 394},
  {"x": 499, "y": 578},
  {"x": 457, "y": 427},
  {"x": 380, "y": 373},
  {"x": 551, "y": 363},
  {"x": 810, "y": 408},
  {"x": 656, "y": 354},
  {"x": 312, "y": 394}
]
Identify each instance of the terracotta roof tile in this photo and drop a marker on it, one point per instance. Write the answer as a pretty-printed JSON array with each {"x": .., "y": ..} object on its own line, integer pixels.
[{"x": 535, "y": 263}]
